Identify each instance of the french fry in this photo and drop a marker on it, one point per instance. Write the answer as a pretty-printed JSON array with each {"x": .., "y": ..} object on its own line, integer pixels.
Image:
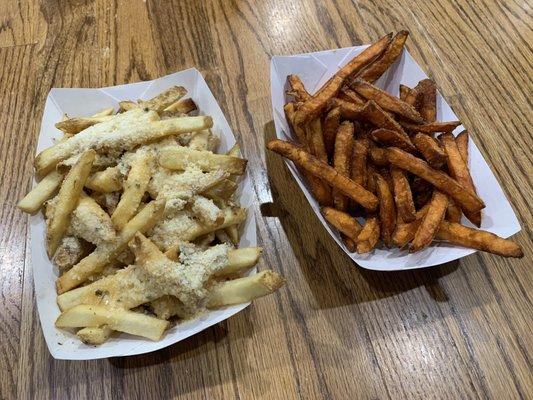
[
  {"x": 106, "y": 181},
  {"x": 428, "y": 103},
  {"x": 221, "y": 190},
  {"x": 369, "y": 236},
  {"x": 387, "y": 210},
  {"x": 106, "y": 252},
  {"x": 67, "y": 200},
  {"x": 413, "y": 96},
  {"x": 313, "y": 107},
  {"x": 404, "y": 92},
  {"x": 349, "y": 243},
  {"x": 298, "y": 130},
  {"x": 104, "y": 112},
  {"x": 90, "y": 222},
  {"x": 429, "y": 226},
  {"x": 378, "y": 155},
  {"x": 71, "y": 126},
  {"x": 402, "y": 195},
  {"x": 178, "y": 158},
  {"x": 342, "y": 221},
  {"x": 316, "y": 140},
  {"x": 347, "y": 109},
  {"x": 459, "y": 171},
  {"x": 116, "y": 319},
  {"x": 200, "y": 140},
  {"x": 342, "y": 160},
  {"x": 321, "y": 191},
  {"x": 134, "y": 188},
  {"x": 94, "y": 335},
  {"x": 206, "y": 211},
  {"x": 70, "y": 251},
  {"x": 359, "y": 162},
  {"x": 246, "y": 289},
  {"x": 453, "y": 213},
  {"x": 232, "y": 216},
  {"x": 374, "y": 114},
  {"x": 386, "y": 101},
  {"x": 45, "y": 189},
  {"x": 391, "y": 54},
  {"x": 478, "y": 239},
  {"x": 392, "y": 138},
  {"x": 330, "y": 126},
  {"x": 430, "y": 150},
  {"x": 169, "y": 306},
  {"x": 325, "y": 172},
  {"x": 240, "y": 260},
  {"x": 119, "y": 137},
  {"x": 463, "y": 197},
  {"x": 351, "y": 96},
  {"x": 164, "y": 99},
  {"x": 126, "y": 288},
  {"x": 298, "y": 90},
  {"x": 180, "y": 107},
  {"x": 127, "y": 105},
  {"x": 461, "y": 140},
  {"x": 430, "y": 127}
]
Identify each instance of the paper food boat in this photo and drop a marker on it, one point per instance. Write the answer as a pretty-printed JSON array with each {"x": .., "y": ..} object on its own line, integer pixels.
[
  {"x": 315, "y": 69},
  {"x": 83, "y": 102}
]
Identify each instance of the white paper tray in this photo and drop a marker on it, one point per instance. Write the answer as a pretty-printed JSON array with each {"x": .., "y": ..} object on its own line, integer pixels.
[
  {"x": 315, "y": 69},
  {"x": 83, "y": 102}
]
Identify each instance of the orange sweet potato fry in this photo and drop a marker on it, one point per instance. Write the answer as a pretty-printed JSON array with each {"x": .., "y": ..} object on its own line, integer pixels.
[
  {"x": 428, "y": 103},
  {"x": 404, "y": 91},
  {"x": 329, "y": 129},
  {"x": 386, "y": 100},
  {"x": 320, "y": 190},
  {"x": 369, "y": 236},
  {"x": 430, "y": 127},
  {"x": 462, "y": 144},
  {"x": 392, "y": 138},
  {"x": 324, "y": 171},
  {"x": 314, "y": 106},
  {"x": 347, "y": 109},
  {"x": 430, "y": 150},
  {"x": 459, "y": 171},
  {"x": 464, "y": 198},
  {"x": 378, "y": 67},
  {"x": 298, "y": 130},
  {"x": 413, "y": 97},
  {"x": 351, "y": 96},
  {"x": 349, "y": 243},
  {"x": 478, "y": 239},
  {"x": 359, "y": 158},
  {"x": 453, "y": 213},
  {"x": 373, "y": 113},
  {"x": 403, "y": 197},
  {"x": 378, "y": 155},
  {"x": 316, "y": 140},
  {"x": 387, "y": 210},
  {"x": 297, "y": 90},
  {"x": 405, "y": 231},
  {"x": 342, "y": 160},
  {"x": 344, "y": 222},
  {"x": 429, "y": 227}
]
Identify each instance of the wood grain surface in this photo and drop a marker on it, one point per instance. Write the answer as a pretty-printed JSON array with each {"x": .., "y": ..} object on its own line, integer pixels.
[{"x": 336, "y": 331}]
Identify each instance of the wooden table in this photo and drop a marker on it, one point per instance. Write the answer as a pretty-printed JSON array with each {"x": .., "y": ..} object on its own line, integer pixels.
[{"x": 461, "y": 330}]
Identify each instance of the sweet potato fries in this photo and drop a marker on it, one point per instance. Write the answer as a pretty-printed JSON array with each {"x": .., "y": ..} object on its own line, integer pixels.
[{"x": 374, "y": 164}]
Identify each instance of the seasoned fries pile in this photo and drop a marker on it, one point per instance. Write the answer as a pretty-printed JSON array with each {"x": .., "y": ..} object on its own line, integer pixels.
[
  {"x": 372, "y": 157},
  {"x": 143, "y": 219}
]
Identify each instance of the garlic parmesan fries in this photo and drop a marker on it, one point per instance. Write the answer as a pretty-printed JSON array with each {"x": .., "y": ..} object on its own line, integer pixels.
[{"x": 143, "y": 219}]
